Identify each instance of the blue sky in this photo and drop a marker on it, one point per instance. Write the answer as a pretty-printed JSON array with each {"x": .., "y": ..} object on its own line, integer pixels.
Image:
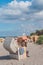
[
  {"x": 20, "y": 16},
  {"x": 3, "y": 2}
]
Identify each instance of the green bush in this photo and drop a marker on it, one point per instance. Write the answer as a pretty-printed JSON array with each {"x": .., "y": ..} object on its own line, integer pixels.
[{"x": 40, "y": 40}]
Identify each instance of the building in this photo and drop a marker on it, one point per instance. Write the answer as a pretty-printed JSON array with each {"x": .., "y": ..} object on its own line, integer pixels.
[{"x": 34, "y": 38}]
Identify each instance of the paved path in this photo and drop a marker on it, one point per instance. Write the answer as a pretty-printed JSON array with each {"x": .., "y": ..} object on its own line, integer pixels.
[{"x": 35, "y": 56}]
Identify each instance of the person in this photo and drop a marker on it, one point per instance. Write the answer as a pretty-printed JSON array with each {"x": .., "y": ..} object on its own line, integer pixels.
[{"x": 27, "y": 53}]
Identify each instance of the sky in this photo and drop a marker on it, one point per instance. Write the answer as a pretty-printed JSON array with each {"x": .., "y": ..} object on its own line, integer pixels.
[{"x": 20, "y": 16}]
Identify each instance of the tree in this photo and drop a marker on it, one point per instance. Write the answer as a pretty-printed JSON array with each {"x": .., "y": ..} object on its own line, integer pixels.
[
  {"x": 38, "y": 32},
  {"x": 40, "y": 40},
  {"x": 32, "y": 34}
]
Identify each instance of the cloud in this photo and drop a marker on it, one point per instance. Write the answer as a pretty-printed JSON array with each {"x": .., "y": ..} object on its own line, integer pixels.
[
  {"x": 22, "y": 11},
  {"x": 37, "y": 4},
  {"x": 14, "y": 10},
  {"x": 29, "y": 12}
]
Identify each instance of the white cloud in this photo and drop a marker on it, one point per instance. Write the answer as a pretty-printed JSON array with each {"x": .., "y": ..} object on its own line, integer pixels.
[
  {"x": 20, "y": 4},
  {"x": 22, "y": 10},
  {"x": 14, "y": 10}
]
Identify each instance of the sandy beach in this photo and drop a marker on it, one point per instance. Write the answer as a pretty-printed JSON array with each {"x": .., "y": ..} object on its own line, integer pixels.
[{"x": 35, "y": 56}]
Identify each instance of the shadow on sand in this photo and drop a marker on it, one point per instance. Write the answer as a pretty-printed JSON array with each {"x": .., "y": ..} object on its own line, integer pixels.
[{"x": 7, "y": 57}]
